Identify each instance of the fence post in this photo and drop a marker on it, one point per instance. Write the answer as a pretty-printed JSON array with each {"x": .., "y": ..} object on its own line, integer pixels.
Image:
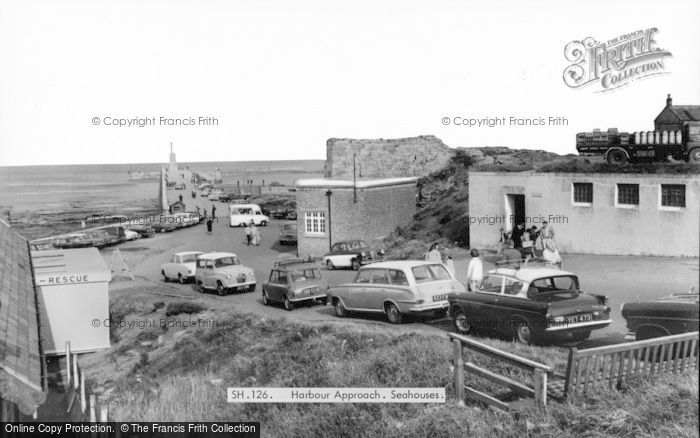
[
  {"x": 104, "y": 414},
  {"x": 75, "y": 372},
  {"x": 93, "y": 413},
  {"x": 459, "y": 370},
  {"x": 540, "y": 388},
  {"x": 569, "y": 370},
  {"x": 83, "y": 401},
  {"x": 68, "y": 365}
]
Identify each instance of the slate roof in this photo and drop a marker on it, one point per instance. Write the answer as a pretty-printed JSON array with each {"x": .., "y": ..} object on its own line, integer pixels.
[
  {"x": 687, "y": 113},
  {"x": 21, "y": 362}
]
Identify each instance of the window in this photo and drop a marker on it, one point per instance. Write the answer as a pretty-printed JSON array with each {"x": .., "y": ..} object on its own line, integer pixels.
[
  {"x": 583, "y": 193},
  {"x": 282, "y": 277},
  {"x": 672, "y": 195},
  {"x": 513, "y": 287},
  {"x": 628, "y": 194},
  {"x": 491, "y": 284},
  {"x": 315, "y": 222},
  {"x": 380, "y": 276},
  {"x": 398, "y": 277},
  {"x": 425, "y": 273},
  {"x": 227, "y": 261},
  {"x": 363, "y": 276},
  {"x": 273, "y": 277},
  {"x": 304, "y": 274}
]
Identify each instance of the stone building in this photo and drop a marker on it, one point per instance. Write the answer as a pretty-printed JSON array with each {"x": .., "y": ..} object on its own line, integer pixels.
[
  {"x": 22, "y": 366},
  {"x": 675, "y": 117},
  {"x": 623, "y": 214},
  {"x": 329, "y": 211},
  {"x": 385, "y": 158}
]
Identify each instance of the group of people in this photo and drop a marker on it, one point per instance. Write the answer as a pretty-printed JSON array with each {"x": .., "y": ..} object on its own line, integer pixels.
[
  {"x": 252, "y": 234},
  {"x": 529, "y": 243},
  {"x": 434, "y": 255}
]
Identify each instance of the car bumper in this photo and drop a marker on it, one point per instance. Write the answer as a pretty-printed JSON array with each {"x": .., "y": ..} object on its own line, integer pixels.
[
  {"x": 301, "y": 298},
  {"x": 631, "y": 337},
  {"x": 240, "y": 285},
  {"x": 592, "y": 325},
  {"x": 429, "y": 307}
]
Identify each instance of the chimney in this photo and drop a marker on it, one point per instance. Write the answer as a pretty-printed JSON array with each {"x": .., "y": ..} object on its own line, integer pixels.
[
  {"x": 669, "y": 101},
  {"x": 5, "y": 215}
]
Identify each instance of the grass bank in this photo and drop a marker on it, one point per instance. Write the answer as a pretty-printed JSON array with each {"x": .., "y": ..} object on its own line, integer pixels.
[{"x": 163, "y": 372}]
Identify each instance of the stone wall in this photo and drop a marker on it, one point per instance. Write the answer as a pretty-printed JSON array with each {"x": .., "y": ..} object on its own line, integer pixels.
[
  {"x": 385, "y": 158},
  {"x": 377, "y": 212}
]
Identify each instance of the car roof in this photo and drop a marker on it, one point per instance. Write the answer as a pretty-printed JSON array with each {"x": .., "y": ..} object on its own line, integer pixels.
[
  {"x": 216, "y": 255},
  {"x": 530, "y": 274},
  {"x": 399, "y": 264},
  {"x": 188, "y": 252},
  {"x": 292, "y": 266},
  {"x": 349, "y": 241}
]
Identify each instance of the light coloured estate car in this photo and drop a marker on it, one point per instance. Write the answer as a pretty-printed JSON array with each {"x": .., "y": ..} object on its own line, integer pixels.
[
  {"x": 397, "y": 288},
  {"x": 223, "y": 272},
  {"x": 181, "y": 267}
]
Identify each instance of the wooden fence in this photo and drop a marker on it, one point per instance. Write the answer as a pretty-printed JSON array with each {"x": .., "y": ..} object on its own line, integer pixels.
[
  {"x": 539, "y": 371},
  {"x": 80, "y": 405},
  {"x": 614, "y": 365}
]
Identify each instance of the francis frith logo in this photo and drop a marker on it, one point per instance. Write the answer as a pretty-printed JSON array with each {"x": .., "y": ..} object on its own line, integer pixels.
[{"x": 614, "y": 63}]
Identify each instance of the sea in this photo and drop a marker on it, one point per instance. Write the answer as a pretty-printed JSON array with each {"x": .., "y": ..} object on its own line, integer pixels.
[{"x": 50, "y": 200}]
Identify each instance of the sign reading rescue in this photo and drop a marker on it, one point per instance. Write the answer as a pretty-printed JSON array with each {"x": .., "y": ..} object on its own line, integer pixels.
[{"x": 65, "y": 279}]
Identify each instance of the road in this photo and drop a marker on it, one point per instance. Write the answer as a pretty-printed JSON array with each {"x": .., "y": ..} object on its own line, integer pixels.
[{"x": 622, "y": 278}]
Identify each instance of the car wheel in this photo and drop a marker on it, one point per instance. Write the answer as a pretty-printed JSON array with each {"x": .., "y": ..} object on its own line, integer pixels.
[
  {"x": 165, "y": 277},
  {"x": 220, "y": 288},
  {"x": 251, "y": 288},
  {"x": 355, "y": 264},
  {"x": 181, "y": 279},
  {"x": 323, "y": 301},
  {"x": 200, "y": 287},
  {"x": 392, "y": 312},
  {"x": 462, "y": 323},
  {"x": 340, "y": 310},
  {"x": 288, "y": 305},
  {"x": 265, "y": 299},
  {"x": 263, "y": 223},
  {"x": 523, "y": 333},
  {"x": 330, "y": 265}
]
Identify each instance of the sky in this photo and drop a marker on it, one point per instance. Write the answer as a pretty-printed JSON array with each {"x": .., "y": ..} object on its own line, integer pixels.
[{"x": 282, "y": 77}]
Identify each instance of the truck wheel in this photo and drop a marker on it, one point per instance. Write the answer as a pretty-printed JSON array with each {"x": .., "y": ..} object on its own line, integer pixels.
[
  {"x": 694, "y": 156},
  {"x": 462, "y": 323},
  {"x": 392, "y": 312},
  {"x": 251, "y": 288},
  {"x": 220, "y": 288},
  {"x": 616, "y": 156}
]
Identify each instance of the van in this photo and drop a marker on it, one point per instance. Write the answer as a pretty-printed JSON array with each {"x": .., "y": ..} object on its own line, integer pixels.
[{"x": 242, "y": 214}]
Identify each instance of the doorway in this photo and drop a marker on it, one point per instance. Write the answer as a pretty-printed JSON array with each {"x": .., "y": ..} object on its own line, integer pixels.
[{"x": 515, "y": 210}]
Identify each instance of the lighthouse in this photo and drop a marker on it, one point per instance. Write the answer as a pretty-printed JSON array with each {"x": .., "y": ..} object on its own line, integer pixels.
[{"x": 173, "y": 164}]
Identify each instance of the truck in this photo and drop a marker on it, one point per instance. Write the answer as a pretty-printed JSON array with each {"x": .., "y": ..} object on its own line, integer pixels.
[{"x": 682, "y": 145}]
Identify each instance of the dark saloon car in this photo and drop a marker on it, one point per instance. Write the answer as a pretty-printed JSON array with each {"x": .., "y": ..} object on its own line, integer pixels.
[
  {"x": 351, "y": 254},
  {"x": 294, "y": 281},
  {"x": 288, "y": 234},
  {"x": 671, "y": 315},
  {"x": 529, "y": 304}
]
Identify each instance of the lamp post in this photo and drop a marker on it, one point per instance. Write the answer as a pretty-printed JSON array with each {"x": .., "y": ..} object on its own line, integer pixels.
[{"x": 330, "y": 240}]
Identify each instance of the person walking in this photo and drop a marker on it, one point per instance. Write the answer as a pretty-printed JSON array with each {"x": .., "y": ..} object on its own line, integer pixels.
[
  {"x": 475, "y": 271},
  {"x": 518, "y": 236},
  {"x": 547, "y": 232},
  {"x": 180, "y": 196},
  {"x": 209, "y": 225},
  {"x": 551, "y": 253},
  {"x": 213, "y": 211},
  {"x": 256, "y": 235},
  {"x": 434, "y": 254},
  {"x": 248, "y": 233}
]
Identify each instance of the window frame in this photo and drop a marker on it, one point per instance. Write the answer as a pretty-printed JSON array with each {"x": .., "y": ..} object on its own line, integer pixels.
[
  {"x": 573, "y": 194},
  {"x": 673, "y": 207},
  {"x": 617, "y": 196},
  {"x": 321, "y": 224}
]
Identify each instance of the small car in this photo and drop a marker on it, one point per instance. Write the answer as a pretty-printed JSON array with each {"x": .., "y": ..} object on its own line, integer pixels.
[
  {"x": 225, "y": 198},
  {"x": 223, "y": 272},
  {"x": 351, "y": 254},
  {"x": 75, "y": 240},
  {"x": 131, "y": 235},
  {"x": 294, "y": 281},
  {"x": 288, "y": 234},
  {"x": 181, "y": 267},
  {"x": 144, "y": 230},
  {"x": 529, "y": 304},
  {"x": 101, "y": 237},
  {"x": 205, "y": 193},
  {"x": 397, "y": 288},
  {"x": 671, "y": 315},
  {"x": 180, "y": 186}
]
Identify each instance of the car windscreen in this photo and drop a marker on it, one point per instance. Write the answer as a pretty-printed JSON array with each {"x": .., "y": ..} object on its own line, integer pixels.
[
  {"x": 226, "y": 261},
  {"x": 304, "y": 274},
  {"x": 425, "y": 273},
  {"x": 357, "y": 244}
]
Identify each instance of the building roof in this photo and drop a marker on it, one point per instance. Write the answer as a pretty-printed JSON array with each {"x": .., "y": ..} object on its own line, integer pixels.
[
  {"x": 69, "y": 262},
  {"x": 323, "y": 182},
  {"x": 686, "y": 113},
  {"x": 22, "y": 370}
]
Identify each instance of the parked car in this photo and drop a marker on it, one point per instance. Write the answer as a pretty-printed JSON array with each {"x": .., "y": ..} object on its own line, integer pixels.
[
  {"x": 291, "y": 215},
  {"x": 181, "y": 267},
  {"x": 529, "y": 304},
  {"x": 397, "y": 288},
  {"x": 75, "y": 240},
  {"x": 671, "y": 315},
  {"x": 144, "y": 230},
  {"x": 101, "y": 237},
  {"x": 288, "y": 234},
  {"x": 165, "y": 223},
  {"x": 223, "y": 272},
  {"x": 225, "y": 198},
  {"x": 131, "y": 234},
  {"x": 278, "y": 213},
  {"x": 205, "y": 193},
  {"x": 294, "y": 281},
  {"x": 242, "y": 214},
  {"x": 180, "y": 186},
  {"x": 214, "y": 194},
  {"x": 351, "y": 254}
]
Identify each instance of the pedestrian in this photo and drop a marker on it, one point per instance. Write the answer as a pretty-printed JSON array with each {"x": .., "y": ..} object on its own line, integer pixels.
[
  {"x": 256, "y": 235},
  {"x": 547, "y": 232},
  {"x": 527, "y": 247},
  {"x": 450, "y": 265},
  {"x": 518, "y": 236},
  {"x": 475, "y": 271},
  {"x": 209, "y": 225},
  {"x": 434, "y": 254},
  {"x": 180, "y": 196},
  {"x": 213, "y": 211},
  {"x": 194, "y": 193},
  {"x": 551, "y": 253},
  {"x": 248, "y": 233},
  {"x": 501, "y": 241}
]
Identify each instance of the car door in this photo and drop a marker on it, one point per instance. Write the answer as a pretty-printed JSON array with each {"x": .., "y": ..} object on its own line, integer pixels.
[
  {"x": 269, "y": 287},
  {"x": 170, "y": 267},
  {"x": 209, "y": 274},
  {"x": 378, "y": 290},
  {"x": 485, "y": 300},
  {"x": 282, "y": 285},
  {"x": 354, "y": 295}
]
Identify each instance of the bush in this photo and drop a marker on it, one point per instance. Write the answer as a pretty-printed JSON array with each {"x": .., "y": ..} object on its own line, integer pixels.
[{"x": 183, "y": 307}]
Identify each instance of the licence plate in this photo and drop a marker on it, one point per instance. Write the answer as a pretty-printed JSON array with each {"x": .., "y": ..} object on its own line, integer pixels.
[
  {"x": 579, "y": 318},
  {"x": 439, "y": 297}
]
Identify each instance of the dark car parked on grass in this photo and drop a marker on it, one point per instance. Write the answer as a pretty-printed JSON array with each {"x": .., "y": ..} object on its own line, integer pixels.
[
  {"x": 671, "y": 315},
  {"x": 530, "y": 304},
  {"x": 351, "y": 254},
  {"x": 294, "y": 281}
]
